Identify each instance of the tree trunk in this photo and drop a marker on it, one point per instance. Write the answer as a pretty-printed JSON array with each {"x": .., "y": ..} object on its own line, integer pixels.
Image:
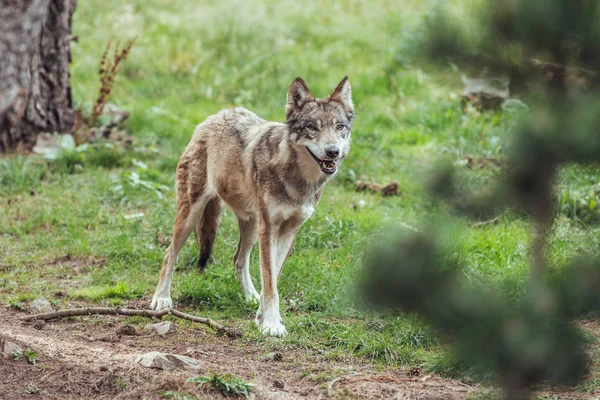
[{"x": 35, "y": 51}]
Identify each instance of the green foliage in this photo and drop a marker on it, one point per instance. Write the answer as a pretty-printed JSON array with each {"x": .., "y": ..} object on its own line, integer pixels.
[
  {"x": 72, "y": 158},
  {"x": 118, "y": 291},
  {"x": 105, "y": 155},
  {"x": 20, "y": 174},
  {"x": 578, "y": 199},
  {"x": 170, "y": 394},
  {"x": 226, "y": 384},
  {"x": 450, "y": 364},
  {"x": 142, "y": 178},
  {"x": 506, "y": 34},
  {"x": 30, "y": 355},
  {"x": 491, "y": 335}
]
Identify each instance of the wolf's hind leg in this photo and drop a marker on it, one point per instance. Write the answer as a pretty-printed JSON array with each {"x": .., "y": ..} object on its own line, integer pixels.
[
  {"x": 206, "y": 230},
  {"x": 248, "y": 236},
  {"x": 185, "y": 221}
]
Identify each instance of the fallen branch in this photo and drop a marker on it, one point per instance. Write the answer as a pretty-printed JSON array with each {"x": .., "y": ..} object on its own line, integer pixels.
[
  {"x": 330, "y": 391},
  {"x": 484, "y": 223},
  {"x": 74, "y": 312}
]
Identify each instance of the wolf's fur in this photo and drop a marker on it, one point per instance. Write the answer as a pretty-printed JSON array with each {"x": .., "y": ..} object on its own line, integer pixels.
[{"x": 265, "y": 173}]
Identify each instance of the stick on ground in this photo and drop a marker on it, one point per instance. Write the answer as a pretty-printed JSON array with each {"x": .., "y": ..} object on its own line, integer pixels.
[{"x": 74, "y": 312}]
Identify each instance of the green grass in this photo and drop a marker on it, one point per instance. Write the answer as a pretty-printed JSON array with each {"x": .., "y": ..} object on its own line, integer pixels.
[
  {"x": 116, "y": 291},
  {"x": 194, "y": 59},
  {"x": 226, "y": 384}
]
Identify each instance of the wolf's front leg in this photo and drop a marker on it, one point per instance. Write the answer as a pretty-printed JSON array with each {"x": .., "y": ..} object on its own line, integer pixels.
[
  {"x": 274, "y": 246},
  {"x": 162, "y": 295},
  {"x": 248, "y": 236},
  {"x": 268, "y": 317}
]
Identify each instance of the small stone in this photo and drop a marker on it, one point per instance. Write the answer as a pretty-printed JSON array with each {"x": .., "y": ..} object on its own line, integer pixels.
[
  {"x": 486, "y": 93},
  {"x": 274, "y": 356},
  {"x": 168, "y": 362},
  {"x": 162, "y": 328},
  {"x": 278, "y": 383},
  {"x": 126, "y": 330},
  {"x": 41, "y": 305},
  {"x": 9, "y": 348}
]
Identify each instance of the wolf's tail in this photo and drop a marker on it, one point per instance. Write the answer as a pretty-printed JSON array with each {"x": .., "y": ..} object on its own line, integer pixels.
[{"x": 206, "y": 230}]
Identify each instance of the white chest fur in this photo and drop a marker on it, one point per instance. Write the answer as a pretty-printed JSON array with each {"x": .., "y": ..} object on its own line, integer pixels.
[{"x": 283, "y": 212}]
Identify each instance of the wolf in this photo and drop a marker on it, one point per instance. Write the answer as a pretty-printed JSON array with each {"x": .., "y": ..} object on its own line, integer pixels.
[{"x": 270, "y": 174}]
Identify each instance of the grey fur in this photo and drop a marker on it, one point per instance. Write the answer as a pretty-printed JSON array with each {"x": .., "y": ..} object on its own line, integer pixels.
[{"x": 270, "y": 174}]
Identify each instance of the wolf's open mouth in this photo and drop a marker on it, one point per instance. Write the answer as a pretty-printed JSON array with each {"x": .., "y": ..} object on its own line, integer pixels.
[{"x": 327, "y": 166}]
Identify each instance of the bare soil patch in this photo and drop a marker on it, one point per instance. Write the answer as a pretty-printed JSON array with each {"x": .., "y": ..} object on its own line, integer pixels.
[{"x": 90, "y": 357}]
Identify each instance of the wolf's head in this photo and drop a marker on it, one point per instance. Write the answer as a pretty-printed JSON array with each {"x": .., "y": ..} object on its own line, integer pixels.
[{"x": 321, "y": 127}]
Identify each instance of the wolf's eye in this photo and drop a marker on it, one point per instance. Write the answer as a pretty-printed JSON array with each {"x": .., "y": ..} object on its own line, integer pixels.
[
  {"x": 340, "y": 127},
  {"x": 312, "y": 130}
]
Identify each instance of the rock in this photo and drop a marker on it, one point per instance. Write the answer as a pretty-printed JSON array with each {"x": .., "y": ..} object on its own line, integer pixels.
[
  {"x": 8, "y": 348},
  {"x": 487, "y": 93},
  {"x": 41, "y": 305},
  {"x": 168, "y": 362},
  {"x": 47, "y": 145},
  {"x": 162, "y": 328},
  {"x": 126, "y": 330}
]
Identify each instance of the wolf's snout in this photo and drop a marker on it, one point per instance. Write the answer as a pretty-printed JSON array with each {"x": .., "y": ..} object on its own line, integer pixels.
[{"x": 332, "y": 151}]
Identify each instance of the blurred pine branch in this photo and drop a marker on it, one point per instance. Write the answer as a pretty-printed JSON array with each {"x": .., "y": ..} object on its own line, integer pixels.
[{"x": 550, "y": 50}]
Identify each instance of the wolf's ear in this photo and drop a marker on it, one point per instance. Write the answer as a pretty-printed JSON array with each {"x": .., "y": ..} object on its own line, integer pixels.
[
  {"x": 297, "y": 96},
  {"x": 343, "y": 94}
]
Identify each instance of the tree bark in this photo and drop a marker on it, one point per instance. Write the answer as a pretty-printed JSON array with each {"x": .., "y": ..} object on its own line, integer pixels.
[{"x": 35, "y": 51}]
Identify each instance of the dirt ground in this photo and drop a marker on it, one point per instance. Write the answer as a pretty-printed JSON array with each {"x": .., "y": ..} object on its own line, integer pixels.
[{"x": 81, "y": 358}]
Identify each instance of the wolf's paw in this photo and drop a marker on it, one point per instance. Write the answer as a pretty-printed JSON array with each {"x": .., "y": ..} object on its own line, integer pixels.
[
  {"x": 161, "y": 303},
  {"x": 272, "y": 328}
]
